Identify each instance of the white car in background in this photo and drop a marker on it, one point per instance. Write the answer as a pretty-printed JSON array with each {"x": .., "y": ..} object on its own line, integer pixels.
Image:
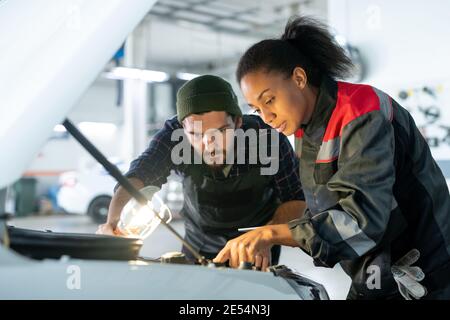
[
  {"x": 90, "y": 189},
  {"x": 87, "y": 191}
]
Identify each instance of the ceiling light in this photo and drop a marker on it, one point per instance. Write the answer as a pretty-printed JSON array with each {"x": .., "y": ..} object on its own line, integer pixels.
[
  {"x": 186, "y": 76},
  {"x": 123, "y": 73}
]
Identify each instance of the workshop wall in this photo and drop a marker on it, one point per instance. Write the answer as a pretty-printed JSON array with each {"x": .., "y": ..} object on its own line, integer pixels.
[{"x": 405, "y": 49}]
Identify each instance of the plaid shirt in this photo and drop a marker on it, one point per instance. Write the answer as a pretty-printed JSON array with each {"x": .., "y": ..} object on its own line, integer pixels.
[{"x": 154, "y": 165}]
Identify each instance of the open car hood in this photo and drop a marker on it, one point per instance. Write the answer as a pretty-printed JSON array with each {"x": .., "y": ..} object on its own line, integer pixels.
[{"x": 51, "y": 51}]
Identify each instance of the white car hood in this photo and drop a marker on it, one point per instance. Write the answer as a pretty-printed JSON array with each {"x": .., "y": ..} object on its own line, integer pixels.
[
  {"x": 129, "y": 280},
  {"x": 50, "y": 52}
]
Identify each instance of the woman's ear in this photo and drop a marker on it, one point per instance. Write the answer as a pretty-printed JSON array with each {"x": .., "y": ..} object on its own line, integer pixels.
[{"x": 299, "y": 77}]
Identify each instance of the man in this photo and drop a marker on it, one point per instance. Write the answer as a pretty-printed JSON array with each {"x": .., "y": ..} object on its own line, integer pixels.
[{"x": 221, "y": 193}]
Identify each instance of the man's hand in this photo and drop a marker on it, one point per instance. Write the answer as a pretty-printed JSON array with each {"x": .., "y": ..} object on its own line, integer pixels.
[
  {"x": 108, "y": 229},
  {"x": 118, "y": 202},
  {"x": 253, "y": 246}
]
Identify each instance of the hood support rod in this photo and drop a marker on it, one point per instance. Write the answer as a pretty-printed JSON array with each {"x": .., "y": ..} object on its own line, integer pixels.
[{"x": 115, "y": 172}]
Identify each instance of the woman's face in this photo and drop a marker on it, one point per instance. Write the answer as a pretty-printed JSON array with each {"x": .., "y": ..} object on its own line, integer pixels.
[{"x": 283, "y": 103}]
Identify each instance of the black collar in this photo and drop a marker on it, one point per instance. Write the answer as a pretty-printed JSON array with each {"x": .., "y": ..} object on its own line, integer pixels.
[{"x": 325, "y": 104}]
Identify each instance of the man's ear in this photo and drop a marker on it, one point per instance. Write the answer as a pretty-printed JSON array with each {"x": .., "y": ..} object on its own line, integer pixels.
[
  {"x": 299, "y": 77},
  {"x": 238, "y": 122}
]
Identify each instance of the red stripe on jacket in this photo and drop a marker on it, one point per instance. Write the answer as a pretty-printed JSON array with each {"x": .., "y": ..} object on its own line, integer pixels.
[
  {"x": 299, "y": 133},
  {"x": 353, "y": 101}
]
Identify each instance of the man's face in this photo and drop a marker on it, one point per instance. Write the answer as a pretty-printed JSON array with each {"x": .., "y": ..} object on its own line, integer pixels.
[{"x": 211, "y": 134}]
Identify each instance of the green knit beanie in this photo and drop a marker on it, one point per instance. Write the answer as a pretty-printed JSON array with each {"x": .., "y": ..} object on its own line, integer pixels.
[{"x": 206, "y": 93}]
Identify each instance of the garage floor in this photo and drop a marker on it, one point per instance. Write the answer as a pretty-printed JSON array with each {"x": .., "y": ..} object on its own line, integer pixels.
[{"x": 161, "y": 241}]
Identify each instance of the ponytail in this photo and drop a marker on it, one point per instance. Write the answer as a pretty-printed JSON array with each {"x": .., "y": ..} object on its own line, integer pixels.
[{"x": 305, "y": 43}]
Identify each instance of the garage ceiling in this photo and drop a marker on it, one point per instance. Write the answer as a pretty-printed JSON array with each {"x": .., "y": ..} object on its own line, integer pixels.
[
  {"x": 250, "y": 17},
  {"x": 210, "y": 34}
]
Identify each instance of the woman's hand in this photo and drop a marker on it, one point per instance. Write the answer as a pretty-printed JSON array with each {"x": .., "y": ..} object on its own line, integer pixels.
[{"x": 253, "y": 246}]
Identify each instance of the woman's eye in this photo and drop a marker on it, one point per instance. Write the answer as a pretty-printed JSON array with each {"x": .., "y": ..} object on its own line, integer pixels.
[
  {"x": 257, "y": 111},
  {"x": 270, "y": 101}
]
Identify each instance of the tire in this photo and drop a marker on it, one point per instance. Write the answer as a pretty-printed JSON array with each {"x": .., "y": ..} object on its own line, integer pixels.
[{"x": 98, "y": 209}]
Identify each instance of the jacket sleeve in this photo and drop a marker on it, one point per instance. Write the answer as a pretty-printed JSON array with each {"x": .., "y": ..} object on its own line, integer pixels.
[{"x": 363, "y": 185}]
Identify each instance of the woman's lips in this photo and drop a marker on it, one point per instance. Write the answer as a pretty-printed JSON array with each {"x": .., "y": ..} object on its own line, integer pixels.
[{"x": 281, "y": 127}]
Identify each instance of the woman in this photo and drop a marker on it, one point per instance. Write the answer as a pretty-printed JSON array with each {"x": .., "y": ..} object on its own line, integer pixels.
[{"x": 373, "y": 191}]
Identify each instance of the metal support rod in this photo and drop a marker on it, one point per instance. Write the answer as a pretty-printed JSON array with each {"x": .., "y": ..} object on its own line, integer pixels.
[{"x": 115, "y": 172}]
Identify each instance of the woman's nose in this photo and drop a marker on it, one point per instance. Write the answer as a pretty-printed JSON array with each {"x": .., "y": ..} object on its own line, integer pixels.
[{"x": 267, "y": 116}]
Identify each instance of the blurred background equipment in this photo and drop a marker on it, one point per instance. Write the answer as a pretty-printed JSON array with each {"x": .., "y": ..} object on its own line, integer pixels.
[{"x": 25, "y": 190}]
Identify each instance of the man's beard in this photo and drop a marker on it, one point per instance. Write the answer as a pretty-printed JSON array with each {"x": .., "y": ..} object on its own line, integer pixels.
[{"x": 217, "y": 166}]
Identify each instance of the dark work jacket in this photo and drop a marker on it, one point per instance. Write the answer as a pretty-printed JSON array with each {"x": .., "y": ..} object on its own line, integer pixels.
[{"x": 372, "y": 189}]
